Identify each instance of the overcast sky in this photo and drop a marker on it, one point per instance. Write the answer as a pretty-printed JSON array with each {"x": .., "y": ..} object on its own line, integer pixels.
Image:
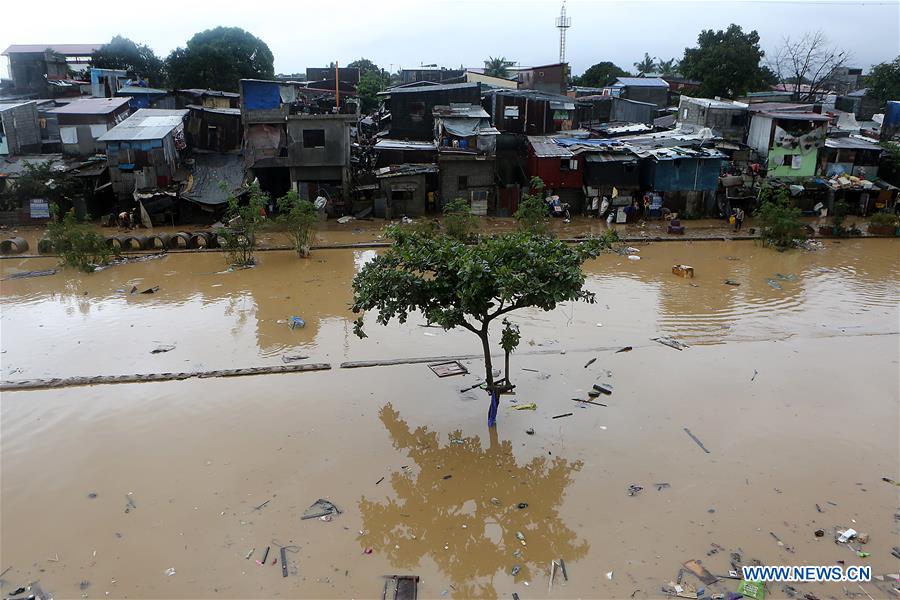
[{"x": 395, "y": 33}]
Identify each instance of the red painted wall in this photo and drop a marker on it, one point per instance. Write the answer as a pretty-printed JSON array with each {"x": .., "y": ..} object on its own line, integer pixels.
[{"x": 548, "y": 169}]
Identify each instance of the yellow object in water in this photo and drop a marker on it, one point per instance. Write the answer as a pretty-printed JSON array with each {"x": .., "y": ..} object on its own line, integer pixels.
[{"x": 531, "y": 406}]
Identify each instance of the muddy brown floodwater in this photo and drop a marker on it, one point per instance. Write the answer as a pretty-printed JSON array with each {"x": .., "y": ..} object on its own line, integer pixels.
[{"x": 790, "y": 382}]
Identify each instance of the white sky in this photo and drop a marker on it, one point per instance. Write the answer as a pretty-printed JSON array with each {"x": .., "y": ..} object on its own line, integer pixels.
[{"x": 395, "y": 33}]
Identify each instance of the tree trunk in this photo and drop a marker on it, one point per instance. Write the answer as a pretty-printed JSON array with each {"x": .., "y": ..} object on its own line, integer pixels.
[
  {"x": 506, "y": 370},
  {"x": 489, "y": 377}
]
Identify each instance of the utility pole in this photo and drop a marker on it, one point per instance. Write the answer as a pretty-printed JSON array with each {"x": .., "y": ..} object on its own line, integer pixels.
[
  {"x": 562, "y": 23},
  {"x": 337, "y": 88}
]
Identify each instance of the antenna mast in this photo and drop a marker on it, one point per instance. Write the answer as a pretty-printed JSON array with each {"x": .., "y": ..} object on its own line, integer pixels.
[{"x": 562, "y": 23}]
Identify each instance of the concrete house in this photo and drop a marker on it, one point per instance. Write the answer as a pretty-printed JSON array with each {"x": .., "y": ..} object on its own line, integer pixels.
[
  {"x": 860, "y": 103},
  {"x": 727, "y": 119},
  {"x": 20, "y": 131},
  {"x": 35, "y": 67},
  {"x": 106, "y": 82},
  {"x": 82, "y": 122},
  {"x": 788, "y": 142},
  {"x": 412, "y": 107},
  {"x": 643, "y": 89},
  {"x": 144, "y": 151},
  {"x": 297, "y": 141}
]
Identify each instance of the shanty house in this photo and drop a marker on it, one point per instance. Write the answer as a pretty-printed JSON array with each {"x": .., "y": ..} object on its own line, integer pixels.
[
  {"x": 789, "y": 142},
  {"x": 529, "y": 112},
  {"x": 412, "y": 107},
  {"x": 687, "y": 178},
  {"x": 82, "y": 122},
  {"x": 405, "y": 190},
  {"x": 20, "y": 131},
  {"x": 206, "y": 98},
  {"x": 598, "y": 109},
  {"x": 852, "y": 155},
  {"x": 643, "y": 89},
  {"x": 727, "y": 119},
  {"x": 214, "y": 129},
  {"x": 558, "y": 167},
  {"x": 36, "y": 68},
  {"x": 552, "y": 78},
  {"x": 612, "y": 166},
  {"x": 292, "y": 142},
  {"x": 144, "y": 151},
  {"x": 204, "y": 189},
  {"x": 147, "y": 97},
  {"x": 467, "y": 145},
  {"x": 860, "y": 103},
  {"x": 432, "y": 74},
  {"x": 106, "y": 82}
]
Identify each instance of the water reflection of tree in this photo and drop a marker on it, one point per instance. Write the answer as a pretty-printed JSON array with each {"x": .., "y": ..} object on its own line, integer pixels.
[{"x": 431, "y": 513}]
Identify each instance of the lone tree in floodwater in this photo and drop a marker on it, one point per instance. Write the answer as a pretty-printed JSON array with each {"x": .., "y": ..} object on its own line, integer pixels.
[{"x": 454, "y": 284}]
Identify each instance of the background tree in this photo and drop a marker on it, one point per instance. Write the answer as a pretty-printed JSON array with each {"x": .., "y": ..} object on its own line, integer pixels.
[
  {"x": 726, "y": 62},
  {"x": 531, "y": 216},
  {"x": 884, "y": 81},
  {"x": 370, "y": 83},
  {"x": 218, "y": 58},
  {"x": 365, "y": 66},
  {"x": 454, "y": 284},
  {"x": 244, "y": 219},
  {"x": 497, "y": 67},
  {"x": 667, "y": 67},
  {"x": 647, "y": 65},
  {"x": 458, "y": 221},
  {"x": 808, "y": 61},
  {"x": 138, "y": 60},
  {"x": 779, "y": 219},
  {"x": 600, "y": 75}
]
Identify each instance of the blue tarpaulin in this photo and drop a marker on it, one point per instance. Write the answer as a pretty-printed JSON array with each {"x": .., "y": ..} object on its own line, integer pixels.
[{"x": 261, "y": 95}]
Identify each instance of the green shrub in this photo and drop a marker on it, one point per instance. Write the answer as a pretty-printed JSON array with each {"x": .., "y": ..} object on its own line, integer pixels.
[
  {"x": 531, "y": 215},
  {"x": 779, "y": 221},
  {"x": 77, "y": 244},
  {"x": 885, "y": 219},
  {"x": 243, "y": 221},
  {"x": 299, "y": 216},
  {"x": 459, "y": 222}
]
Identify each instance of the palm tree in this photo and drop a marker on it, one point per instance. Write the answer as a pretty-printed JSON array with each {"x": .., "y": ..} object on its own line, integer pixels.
[
  {"x": 645, "y": 66},
  {"x": 497, "y": 67},
  {"x": 668, "y": 67}
]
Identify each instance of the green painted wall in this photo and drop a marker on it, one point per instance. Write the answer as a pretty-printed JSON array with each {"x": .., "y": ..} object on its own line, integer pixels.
[{"x": 777, "y": 168}]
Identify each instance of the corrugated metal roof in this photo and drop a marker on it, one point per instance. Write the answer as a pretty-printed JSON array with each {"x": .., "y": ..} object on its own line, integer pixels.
[
  {"x": 546, "y": 147},
  {"x": 208, "y": 172},
  {"x": 642, "y": 82},
  {"x": 388, "y": 144},
  {"x": 210, "y": 93},
  {"x": 677, "y": 152},
  {"x": 136, "y": 90},
  {"x": 713, "y": 103},
  {"x": 457, "y": 111},
  {"x": 64, "y": 49},
  {"x": 405, "y": 170},
  {"x": 210, "y": 109},
  {"x": 610, "y": 157},
  {"x": 430, "y": 88},
  {"x": 145, "y": 124},
  {"x": 851, "y": 143},
  {"x": 91, "y": 106},
  {"x": 9, "y": 105},
  {"x": 796, "y": 116}
]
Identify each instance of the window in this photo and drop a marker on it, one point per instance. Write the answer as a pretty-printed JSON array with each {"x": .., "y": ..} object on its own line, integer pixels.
[
  {"x": 462, "y": 182},
  {"x": 417, "y": 111},
  {"x": 568, "y": 164},
  {"x": 313, "y": 138},
  {"x": 511, "y": 112},
  {"x": 786, "y": 160},
  {"x": 684, "y": 113}
]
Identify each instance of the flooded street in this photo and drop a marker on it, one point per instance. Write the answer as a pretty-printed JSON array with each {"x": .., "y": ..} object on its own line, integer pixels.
[{"x": 790, "y": 382}]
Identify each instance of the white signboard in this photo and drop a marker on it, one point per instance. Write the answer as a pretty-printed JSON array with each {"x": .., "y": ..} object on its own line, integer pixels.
[{"x": 40, "y": 209}]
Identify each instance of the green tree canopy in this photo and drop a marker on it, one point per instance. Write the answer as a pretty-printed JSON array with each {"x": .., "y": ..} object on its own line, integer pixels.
[
  {"x": 600, "y": 75},
  {"x": 726, "y": 62},
  {"x": 218, "y": 58},
  {"x": 646, "y": 65},
  {"x": 370, "y": 83},
  {"x": 138, "y": 60},
  {"x": 497, "y": 67},
  {"x": 454, "y": 284},
  {"x": 667, "y": 67},
  {"x": 365, "y": 66},
  {"x": 884, "y": 81}
]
